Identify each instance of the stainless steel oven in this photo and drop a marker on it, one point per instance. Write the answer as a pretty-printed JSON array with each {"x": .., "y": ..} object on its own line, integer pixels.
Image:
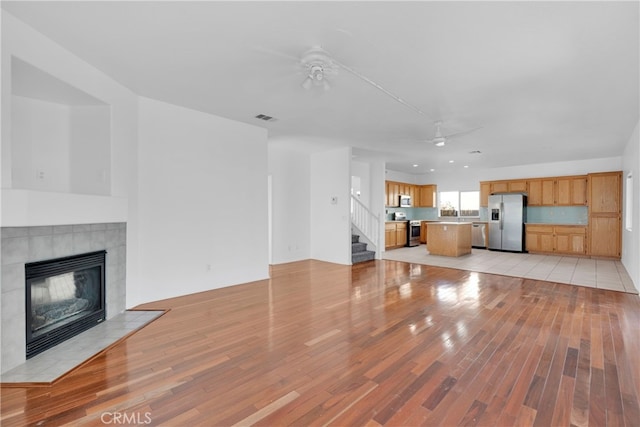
[{"x": 413, "y": 233}]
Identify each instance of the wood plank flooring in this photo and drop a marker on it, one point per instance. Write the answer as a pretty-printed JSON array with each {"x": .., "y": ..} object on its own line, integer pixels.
[{"x": 379, "y": 343}]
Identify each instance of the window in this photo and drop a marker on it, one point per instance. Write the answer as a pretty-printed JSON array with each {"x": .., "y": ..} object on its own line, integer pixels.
[
  {"x": 469, "y": 203},
  {"x": 459, "y": 204},
  {"x": 449, "y": 203},
  {"x": 628, "y": 203}
]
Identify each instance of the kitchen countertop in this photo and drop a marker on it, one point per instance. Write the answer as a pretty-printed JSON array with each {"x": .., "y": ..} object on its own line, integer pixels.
[
  {"x": 564, "y": 224},
  {"x": 453, "y": 223}
]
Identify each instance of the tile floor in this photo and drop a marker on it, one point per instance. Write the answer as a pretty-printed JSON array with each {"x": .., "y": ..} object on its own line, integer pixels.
[
  {"x": 594, "y": 273},
  {"x": 51, "y": 364}
]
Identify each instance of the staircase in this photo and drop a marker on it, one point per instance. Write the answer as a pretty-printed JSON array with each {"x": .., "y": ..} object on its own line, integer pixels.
[
  {"x": 367, "y": 224},
  {"x": 359, "y": 252}
]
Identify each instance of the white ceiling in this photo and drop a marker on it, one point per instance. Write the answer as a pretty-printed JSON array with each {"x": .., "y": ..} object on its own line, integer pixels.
[{"x": 546, "y": 81}]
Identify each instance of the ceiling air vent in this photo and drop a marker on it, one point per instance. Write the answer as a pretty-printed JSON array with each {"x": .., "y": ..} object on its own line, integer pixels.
[
  {"x": 475, "y": 152},
  {"x": 266, "y": 118}
]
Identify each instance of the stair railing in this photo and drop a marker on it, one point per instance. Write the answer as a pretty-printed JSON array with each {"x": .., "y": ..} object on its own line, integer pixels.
[{"x": 366, "y": 221}]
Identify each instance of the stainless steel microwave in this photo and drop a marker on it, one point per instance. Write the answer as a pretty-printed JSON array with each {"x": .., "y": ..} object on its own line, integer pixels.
[{"x": 405, "y": 201}]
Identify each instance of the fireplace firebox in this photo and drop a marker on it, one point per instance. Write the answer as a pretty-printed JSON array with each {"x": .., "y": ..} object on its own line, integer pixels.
[{"x": 64, "y": 297}]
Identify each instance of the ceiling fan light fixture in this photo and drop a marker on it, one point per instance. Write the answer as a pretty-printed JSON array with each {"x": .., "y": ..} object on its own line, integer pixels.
[
  {"x": 316, "y": 72},
  {"x": 439, "y": 142},
  {"x": 315, "y": 77}
]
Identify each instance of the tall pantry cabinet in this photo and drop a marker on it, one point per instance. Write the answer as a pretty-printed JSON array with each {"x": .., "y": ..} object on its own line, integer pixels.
[{"x": 605, "y": 214}]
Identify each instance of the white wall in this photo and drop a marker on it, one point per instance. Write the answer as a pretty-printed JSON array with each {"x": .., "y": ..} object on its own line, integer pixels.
[
  {"x": 631, "y": 239},
  {"x": 89, "y": 151},
  {"x": 378, "y": 199},
  {"x": 40, "y": 145},
  {"x": 21, "y": 41},
  {"x": 403, "y": 177},
  {"x": 331, "y": 223},
  {"x": 291, "y": 204},
  {"x": 202, "y": 203},
  {"x": 362, "y": 171}
]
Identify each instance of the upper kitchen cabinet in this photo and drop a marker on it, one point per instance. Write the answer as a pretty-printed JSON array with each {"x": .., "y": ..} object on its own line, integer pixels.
[
  {"x": 504, "y": 186},
  {"x": 605, "y": 193},
  {"x": 558, "y": 191},
  {"x": 500, "y": 187},
  {"x": 485, "y": 190},
  {"x": 519, "y": 186},
  {"x": 423, "y": 196},
  {"x": 392, "y": 190},
  {"x": 541, "y": 192},
  {"x": 571, "y": 191},
  {"x": 426, "y": 197}
]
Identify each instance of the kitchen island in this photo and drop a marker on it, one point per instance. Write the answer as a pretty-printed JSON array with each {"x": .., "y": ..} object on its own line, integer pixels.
[{"x": 449, "y": 238}]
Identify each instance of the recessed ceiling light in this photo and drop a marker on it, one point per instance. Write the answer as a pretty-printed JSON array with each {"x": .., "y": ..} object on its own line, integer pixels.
[
  {"x": 415, "y": 166},
  {"x": 432, "y": 170},
  {"x": 450, "y": 161},
  {"x": 466, "y": 166}
]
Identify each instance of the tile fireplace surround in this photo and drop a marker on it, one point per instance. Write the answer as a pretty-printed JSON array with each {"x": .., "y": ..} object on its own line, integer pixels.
[{"x": 21, "y": 245}]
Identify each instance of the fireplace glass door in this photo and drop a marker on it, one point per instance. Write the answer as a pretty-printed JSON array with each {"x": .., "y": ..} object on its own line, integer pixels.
[{"x": 64, "y": 297}]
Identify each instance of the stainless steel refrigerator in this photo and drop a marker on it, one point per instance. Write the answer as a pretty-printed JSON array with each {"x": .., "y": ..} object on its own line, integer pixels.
[{"x": 507, "y": 215}]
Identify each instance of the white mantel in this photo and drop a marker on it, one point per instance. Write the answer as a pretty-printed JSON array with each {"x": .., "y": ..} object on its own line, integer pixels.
[{"x": 24, "y": 208}]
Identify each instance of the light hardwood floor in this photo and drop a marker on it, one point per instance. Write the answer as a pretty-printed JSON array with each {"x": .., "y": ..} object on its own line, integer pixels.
[{"x": 379, "y": 343}]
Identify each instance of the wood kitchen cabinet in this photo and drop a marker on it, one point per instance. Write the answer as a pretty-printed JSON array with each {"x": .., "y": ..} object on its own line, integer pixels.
[
  {"x": 605, "y": 214},
  {"x": 541, "y": 192},
  {"x": 499, "y": 187},
  {"x": 605, "y": 192},
  {"x": 519, "y": 186},
  {"x": 552, "y": 191},
  {"x": 571, "y": 240},
  {"x": 392, "y": 193},
  {"x": 485, "y": 190},
  {"x": 423, "y": 196},
  {"x": 426, "y": 197},
  {"x": 401, "y": 233},
  {"x": 395, "y": 234},
  {"x": 557, "y": 191},
  {"x": 539, "y": 238},
  {"x": 449, "y": 238},
  {"x": 558, "y": 239},
  {"x": 389, "y": 235},
  {"x": 571, "y": 191}
]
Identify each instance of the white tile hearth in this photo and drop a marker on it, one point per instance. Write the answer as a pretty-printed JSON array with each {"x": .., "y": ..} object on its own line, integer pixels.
[
  {"x": 593, "y": 273},
  {"x": 50, "y": 365}
]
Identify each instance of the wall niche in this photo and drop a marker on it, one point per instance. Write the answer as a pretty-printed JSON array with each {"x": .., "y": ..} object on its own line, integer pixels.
[{"x": 60, "y": 135}]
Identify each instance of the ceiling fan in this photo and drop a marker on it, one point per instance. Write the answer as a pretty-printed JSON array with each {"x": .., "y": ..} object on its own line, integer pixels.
[
  {"x": 440, "y": 139},
  {"x": 317, "y": 63}
]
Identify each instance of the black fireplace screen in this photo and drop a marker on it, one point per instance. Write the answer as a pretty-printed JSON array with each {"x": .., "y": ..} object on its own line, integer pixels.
[{"x": 64, "y": 297}]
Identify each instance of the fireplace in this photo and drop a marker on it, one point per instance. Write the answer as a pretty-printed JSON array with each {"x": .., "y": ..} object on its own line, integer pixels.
[{"x": 64, "y": 297}]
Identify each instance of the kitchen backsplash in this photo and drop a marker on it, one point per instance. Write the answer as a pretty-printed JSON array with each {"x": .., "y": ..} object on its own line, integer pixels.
[
  {"x": 558, "y": 214},
  {"x": 413, "y": 213},
  {"x": 535, "y": 214}
]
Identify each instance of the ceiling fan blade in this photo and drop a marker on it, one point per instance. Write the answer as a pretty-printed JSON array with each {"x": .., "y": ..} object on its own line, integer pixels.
[
  {"x": 464, "y": 132},
  {"x": 273, "y": 52}
]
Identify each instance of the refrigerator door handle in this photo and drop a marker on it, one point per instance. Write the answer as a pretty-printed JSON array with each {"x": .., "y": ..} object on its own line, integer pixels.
[{"x": 501, "y": 215}]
